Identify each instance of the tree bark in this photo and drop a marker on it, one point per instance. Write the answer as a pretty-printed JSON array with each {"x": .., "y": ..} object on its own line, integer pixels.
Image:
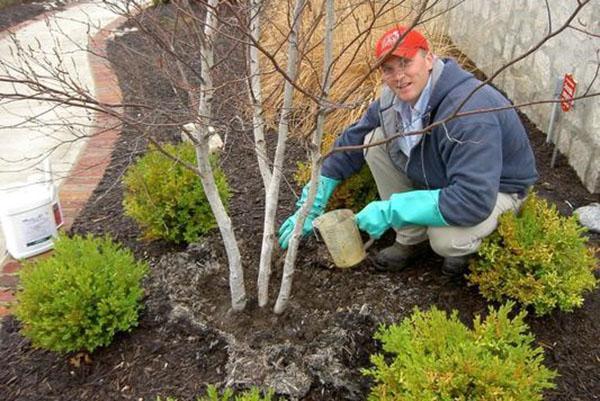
[
  {"x": 272, "y": 193},
  {"x": 236, "y": 273},
  {"x": 316, "y": 162},
  {"x": 255, "y": 90}
]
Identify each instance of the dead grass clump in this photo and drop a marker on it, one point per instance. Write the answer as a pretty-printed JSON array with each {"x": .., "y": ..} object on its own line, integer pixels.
[
  {"x": 8, "y": 3},
  {"x": 358, "y": 26}
]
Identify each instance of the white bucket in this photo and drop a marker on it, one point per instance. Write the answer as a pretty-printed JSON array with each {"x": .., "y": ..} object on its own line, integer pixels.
[{"x": 30, "y": 216}]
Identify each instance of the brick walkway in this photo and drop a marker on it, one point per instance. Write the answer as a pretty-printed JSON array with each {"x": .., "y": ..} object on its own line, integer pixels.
[{"x": 92, "y": 162}]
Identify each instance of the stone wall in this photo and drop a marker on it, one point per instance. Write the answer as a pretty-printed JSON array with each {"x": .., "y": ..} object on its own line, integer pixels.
[{"x": 491, "y": 32}]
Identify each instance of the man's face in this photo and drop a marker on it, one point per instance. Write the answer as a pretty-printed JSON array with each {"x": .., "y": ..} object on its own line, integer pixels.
[{"x": 407, "y": 77}]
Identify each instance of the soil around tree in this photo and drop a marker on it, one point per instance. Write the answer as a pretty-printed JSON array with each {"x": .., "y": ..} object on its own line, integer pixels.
[{"x": 188, "y": 337}]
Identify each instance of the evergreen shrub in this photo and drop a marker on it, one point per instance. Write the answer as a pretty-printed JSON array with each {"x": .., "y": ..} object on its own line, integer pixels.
[
  {"x": 353, "y": 193},
  {"x": 212, "y": 394},
  {"x": 254, "y": 394},
  {"x": 537, "y": 258},
  {"x": 167, "y": 199},
  {"x": 430, "y": 356},
  {"x": 79, "y": 297}
]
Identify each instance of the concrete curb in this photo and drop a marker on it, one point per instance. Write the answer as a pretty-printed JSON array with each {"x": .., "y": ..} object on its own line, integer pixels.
[
  {"x": 93, "y": 159},
  {"x": 4, "y": 256}
]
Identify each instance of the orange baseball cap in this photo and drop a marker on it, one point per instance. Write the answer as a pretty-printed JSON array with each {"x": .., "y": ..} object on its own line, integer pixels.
[{"x": 408, "y": 47}]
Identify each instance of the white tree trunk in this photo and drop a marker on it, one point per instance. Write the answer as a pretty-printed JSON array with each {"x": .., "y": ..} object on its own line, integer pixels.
[
  {"x": 236, "y": 273},
  {"x": 290, "y": 257},
  {"x": 272, "y": 193},
  {"x": 255, "y": 91}
]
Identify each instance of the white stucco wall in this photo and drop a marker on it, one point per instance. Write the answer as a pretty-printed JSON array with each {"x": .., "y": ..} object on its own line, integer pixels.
[{"x": 491, "y": 32}]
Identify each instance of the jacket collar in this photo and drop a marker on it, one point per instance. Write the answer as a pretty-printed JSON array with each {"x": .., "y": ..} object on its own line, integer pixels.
[{"x": 448, "y": 78}]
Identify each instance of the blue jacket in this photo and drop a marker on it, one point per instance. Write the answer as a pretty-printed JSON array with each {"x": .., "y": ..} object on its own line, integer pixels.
[{"x": 470, "y": 158}]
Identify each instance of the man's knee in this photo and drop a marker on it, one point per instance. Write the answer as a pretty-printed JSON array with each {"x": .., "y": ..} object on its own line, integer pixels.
[
  {"x": 451, "y": 242},
  {"x": 374, "y": 153}
]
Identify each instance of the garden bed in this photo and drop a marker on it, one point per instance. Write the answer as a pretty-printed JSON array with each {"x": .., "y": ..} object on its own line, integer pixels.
[{"x": 187, "y": 336}]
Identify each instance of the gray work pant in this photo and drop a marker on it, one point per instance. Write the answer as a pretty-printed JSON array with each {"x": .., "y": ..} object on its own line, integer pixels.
[{"x": 445, "y": 241}]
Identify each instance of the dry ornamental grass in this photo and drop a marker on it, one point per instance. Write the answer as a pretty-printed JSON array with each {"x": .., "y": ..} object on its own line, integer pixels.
[{"x": 358, "y": 26}]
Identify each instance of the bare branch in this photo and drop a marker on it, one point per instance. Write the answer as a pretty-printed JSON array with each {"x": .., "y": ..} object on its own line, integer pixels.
[
  {"x": 272, "y": 193},
  {"x": 596, "y": 35},
  {"x": 448, "y": 119},
  {"x": 596, "y": 73},
  {"x": 290, "y": 258},
  {"x": 515, "y": 60}
]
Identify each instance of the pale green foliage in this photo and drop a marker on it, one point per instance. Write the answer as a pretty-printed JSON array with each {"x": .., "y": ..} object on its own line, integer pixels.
[
  {"x": 167, "y": 199},
  {"x": 212, "y": 394},
  {"x": 78, "y": 298},
  {"x": 538, "y": 258},
  {"x": 354, "y": 193},
  {"x": 254, "y": 394},
  {"x": 436, "y": 357}
]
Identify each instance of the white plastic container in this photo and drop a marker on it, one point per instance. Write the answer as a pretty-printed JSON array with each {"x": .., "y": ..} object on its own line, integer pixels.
[
  {"x": 340, "y": 233},
  {"x": 30, "y": 216}
]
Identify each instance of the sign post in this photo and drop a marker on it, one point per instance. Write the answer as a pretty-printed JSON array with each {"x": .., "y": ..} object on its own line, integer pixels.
[
  {"x": 554, "y": 112},
  {"x": 567, "y": 94}
]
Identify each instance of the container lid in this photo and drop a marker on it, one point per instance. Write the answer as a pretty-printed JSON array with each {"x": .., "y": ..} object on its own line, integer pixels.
[{"x": 25, "y": 198}]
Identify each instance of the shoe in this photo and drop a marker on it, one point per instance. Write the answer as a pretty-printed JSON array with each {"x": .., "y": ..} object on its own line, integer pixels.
[
  {"x": 455, "y": 266},
  {"x": 398, "y": 256}
]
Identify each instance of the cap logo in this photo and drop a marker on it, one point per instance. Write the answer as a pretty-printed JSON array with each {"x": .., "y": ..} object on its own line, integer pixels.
[
  {"x": 390, "y": 40},
  {"x": 411, "y": 41}
]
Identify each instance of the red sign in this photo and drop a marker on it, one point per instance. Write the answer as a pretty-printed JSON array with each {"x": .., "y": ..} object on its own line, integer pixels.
[
  {"x": 58, "y": 216},
  {"x": 568, "y": 92}
]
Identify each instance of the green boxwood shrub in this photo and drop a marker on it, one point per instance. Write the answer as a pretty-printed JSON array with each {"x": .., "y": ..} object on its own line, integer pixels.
[
  {"x": 212, "y": 394},
  {"x": 353, "y": 193},
  {"x": 79, "y": 297},
  {"x": 254, "y": 394},
  {"x": 167, "y": 199},
  {"x": 435, "y": 357},
  {"x": 537, "y": 258}
]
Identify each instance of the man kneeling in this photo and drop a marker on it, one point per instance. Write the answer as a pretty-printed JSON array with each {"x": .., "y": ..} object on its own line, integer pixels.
[{"x": 449, "y": 185}]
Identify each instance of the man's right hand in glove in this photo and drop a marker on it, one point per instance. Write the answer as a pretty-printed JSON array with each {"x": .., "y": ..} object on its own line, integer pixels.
[{"x": 324, "y": 191}]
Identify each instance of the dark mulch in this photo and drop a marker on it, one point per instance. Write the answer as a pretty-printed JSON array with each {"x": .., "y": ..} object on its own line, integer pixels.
[
  {"x": 26, "y": 10},
  {"x": 187, "y": 337}
]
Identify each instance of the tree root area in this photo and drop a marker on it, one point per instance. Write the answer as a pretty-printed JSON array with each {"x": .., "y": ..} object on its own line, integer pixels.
[{"x": 188, "y": 337}]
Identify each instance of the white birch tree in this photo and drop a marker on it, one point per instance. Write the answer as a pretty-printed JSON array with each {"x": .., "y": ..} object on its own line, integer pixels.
[
  {"x": 316, "y": 162},
  {"x": 272, "y": 191},
  {"x": 255, "y": 93},
  {"x": 52, "y": 83},
  {"x": 202, "y": 134}
]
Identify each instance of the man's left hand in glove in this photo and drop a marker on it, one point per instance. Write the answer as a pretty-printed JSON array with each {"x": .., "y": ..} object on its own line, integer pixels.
[{"x": 402, "y": 209}]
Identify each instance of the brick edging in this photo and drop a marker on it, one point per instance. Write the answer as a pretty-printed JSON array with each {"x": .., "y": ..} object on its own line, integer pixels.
[{"x": 93, "y": 159}]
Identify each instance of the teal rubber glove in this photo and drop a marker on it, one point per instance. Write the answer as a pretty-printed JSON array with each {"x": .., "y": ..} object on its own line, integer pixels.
[
  {"x": 324, "y": 190},
  {"x": 413, "y": 207}
]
